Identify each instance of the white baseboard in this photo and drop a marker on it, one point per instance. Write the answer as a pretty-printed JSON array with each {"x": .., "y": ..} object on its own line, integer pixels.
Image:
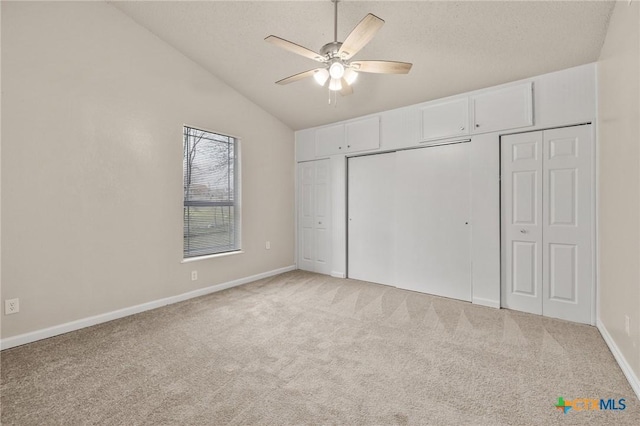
[
  {"x": 338, "y": 274},
  {"x": 45, "y": 333},
  {"x": 622, "y": 362},
  {"x": 486, "y": 302}
]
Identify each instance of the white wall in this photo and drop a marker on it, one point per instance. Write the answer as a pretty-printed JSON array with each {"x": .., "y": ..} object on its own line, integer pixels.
[
  {"x": 561, "y": 98},
  {"x": 1, "y": 312},
  {"x": 92, "y": 110},
  {"x": 619, "y": 184}
]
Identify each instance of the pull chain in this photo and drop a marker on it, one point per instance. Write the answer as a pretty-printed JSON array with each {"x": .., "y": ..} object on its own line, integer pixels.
[{"x": 335, "y": 98}]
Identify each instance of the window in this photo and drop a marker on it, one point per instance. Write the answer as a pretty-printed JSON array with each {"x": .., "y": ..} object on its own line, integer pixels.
[{"x": 211, "y": 209}]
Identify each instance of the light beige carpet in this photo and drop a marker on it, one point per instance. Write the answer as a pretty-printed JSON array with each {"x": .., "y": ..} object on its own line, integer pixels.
[{"x": 301, "y": 348}]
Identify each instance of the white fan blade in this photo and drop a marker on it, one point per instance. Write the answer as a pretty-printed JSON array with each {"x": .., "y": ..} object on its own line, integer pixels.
[
  {"x": 346, "y": 89},
  {"x": 295, "y": 48},
  {"x": 382, "y": 67},
  {"x": 360, "y": 36},
  {"x": 298, "y": 76}
]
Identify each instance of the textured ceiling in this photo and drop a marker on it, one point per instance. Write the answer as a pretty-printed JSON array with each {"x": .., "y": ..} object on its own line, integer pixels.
[{"x": 454, "y": 46}]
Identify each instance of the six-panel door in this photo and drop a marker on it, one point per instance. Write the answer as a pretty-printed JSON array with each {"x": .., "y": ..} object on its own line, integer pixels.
[
  {"x": 522, "y": 217},
  {"x": 314, "y": 216},
  {"x": 568, "y": 223},
  {"x": 547, "y": 184}
]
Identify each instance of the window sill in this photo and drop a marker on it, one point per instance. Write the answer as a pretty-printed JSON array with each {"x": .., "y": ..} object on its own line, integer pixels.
[{"x": 211, "y": 256}]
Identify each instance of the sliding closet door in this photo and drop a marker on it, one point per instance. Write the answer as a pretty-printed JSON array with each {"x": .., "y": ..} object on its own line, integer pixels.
[
  {"x": 409, "y": 215},
  {"x": 433, "y": 240},
  {"x": 371, "y": 235}
]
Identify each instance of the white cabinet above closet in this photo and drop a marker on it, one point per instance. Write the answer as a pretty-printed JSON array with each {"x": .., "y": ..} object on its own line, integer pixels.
[
  {"x": 444, "y": 119},
  {"x": 353, "y": 136},
  {"x": 363, "y": 135},
  {"x": 503, "y": 109},
  {"x": 330, "y": 140}
]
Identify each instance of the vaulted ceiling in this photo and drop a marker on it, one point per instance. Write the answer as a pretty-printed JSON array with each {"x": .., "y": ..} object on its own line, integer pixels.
[{"x": 454, "y": 47}]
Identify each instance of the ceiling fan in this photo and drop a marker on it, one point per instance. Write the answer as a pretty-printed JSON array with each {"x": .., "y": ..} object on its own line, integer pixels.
[{"x": 335, "y": 56}]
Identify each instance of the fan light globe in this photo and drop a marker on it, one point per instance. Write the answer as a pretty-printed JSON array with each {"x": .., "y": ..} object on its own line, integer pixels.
[
  {"x": 321, "y": 76},
  {"x": 350, "y": 76},
  {"x": 335, "y": 84},
  {"x": 336, "y": 70}
]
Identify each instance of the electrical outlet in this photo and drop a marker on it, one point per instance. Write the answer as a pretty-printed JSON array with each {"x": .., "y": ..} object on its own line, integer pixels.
[
  {"x": 267, "y": 245},
  {"x": 626, "y": 325},
  {"x": 194, "y": 275},
  {"x": 11, "y": 306}
]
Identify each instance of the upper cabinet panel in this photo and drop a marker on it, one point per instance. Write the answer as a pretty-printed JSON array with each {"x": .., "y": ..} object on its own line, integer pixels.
[
  {"x": 353, "y": 136},
  {"x": 363, "y": 135},
  {"x": 503, "y": 109},
  {"x": 305, "y": 145},
  {"x": 445, "y": 119},
  {"x": 330, "y": 140}
]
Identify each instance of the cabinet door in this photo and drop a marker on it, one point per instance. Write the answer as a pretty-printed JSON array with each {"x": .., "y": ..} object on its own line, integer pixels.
[
  {"x": 396, "y": 130},
  {"x": 305, "y": 145},
  {"x": 503, "y": 109},
  {"x": 363, "y": 135},
  {"x": 444, "y": 120},
  {"x": 330, "y": 140}
]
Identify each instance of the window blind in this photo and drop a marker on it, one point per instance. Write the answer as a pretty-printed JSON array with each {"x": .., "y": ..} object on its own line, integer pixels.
[{"x": 211, "y": 216}]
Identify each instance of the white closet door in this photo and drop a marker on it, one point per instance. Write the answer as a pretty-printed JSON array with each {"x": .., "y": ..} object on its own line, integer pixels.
[
  {"x": 433, "y": 245},
  {"x": 568, "y": 223},
  {"x": 371, "y": 236},
  {"x": 322, "y": 216},
  {"x": 306, "y": 245},
  {"x": 522, "y": 221},
  {"x": 314, "y": 216},
  {"x": 547, "y": 223}
]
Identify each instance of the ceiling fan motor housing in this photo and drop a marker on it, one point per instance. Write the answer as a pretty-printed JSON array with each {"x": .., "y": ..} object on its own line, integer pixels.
[{"x": 330, "y": 50}]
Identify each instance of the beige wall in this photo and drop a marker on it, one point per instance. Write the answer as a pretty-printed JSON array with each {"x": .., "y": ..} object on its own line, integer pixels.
[
  {"x": 1, "y": 303},
  {"x": 619, "y": 181},
  {"x": 92, "y": 112}
]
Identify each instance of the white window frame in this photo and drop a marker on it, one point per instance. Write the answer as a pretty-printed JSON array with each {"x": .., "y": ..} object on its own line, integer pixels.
[{"x": 237, "y": 205}]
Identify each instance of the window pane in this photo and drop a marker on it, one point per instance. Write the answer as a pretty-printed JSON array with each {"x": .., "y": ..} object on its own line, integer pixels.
[
  {"x": 210, "y": 222},
  {"x": 208, "y": 230}
]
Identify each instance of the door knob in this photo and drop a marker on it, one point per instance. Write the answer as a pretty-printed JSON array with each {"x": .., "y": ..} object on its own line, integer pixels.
[
  {"x": 319, "y": 223},
  {"x": 477, "y": 125},
  {"x": 461, "y": 128},
  {"x": 523, "y": 231}
]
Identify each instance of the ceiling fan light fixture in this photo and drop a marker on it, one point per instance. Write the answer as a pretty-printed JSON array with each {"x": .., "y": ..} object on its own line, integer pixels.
[
  {"x": 335, "y": 84},
  {"x": 336, "y": 70},
  {"x": 321, "y": 76},
  {"x": 336, "y": 56},
  {"x": 350, "y": 76}
]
